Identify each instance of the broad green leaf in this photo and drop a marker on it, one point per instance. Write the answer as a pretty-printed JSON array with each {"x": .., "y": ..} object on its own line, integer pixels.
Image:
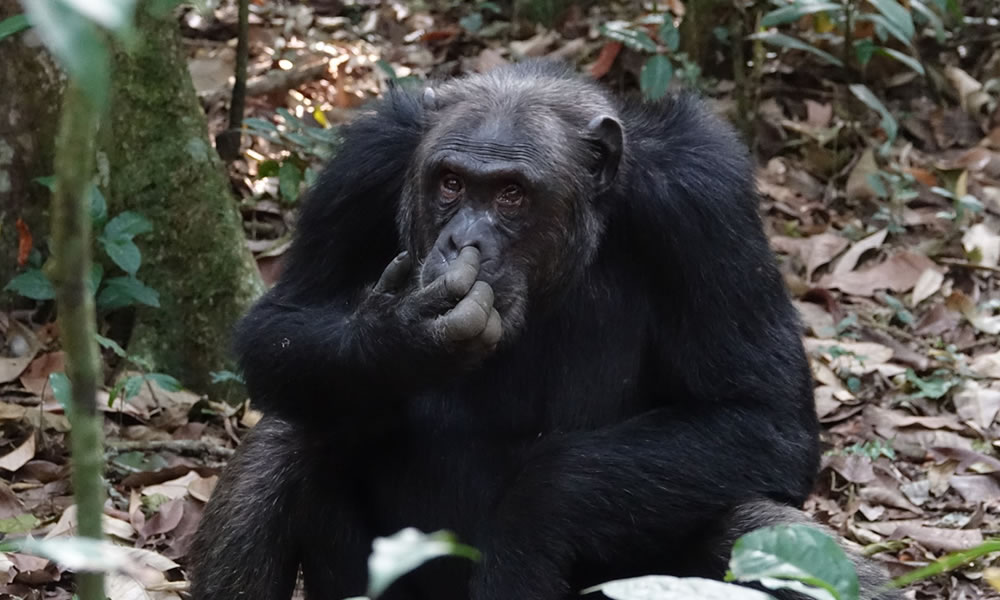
[
  {"x": 127, "y": 225},
  {"x": 88, "y": 555},
  {"x": 32, "y": 284},
  {"x": 131, "y": 387},
  {"x": 655, "y": 77},
  {"x": 636, "y": 40},
  {"x": 96, "y": 275},
  {"x": 166, "y": 382},
  {"x": 12, "y": 25},
  {"x": 669, "y": 35},
  {"x": 932, "y": 387},
  {"x": 788, "y": 556},
  {"x": 62, "y": 390},
  {"x": 931, "y": 17},
  {"x": 665, "y": 587},
  {"x": 884, "y": 26},
  {"x": 906, "y": 59},
  {"x": 864, "y": 50},
  {"x": 126, "y": 291},
  {"x": 888, "y": 122},
  {"x": 110, "y": 14},
  {"x": 136, "y": 462},
  {"x": 112, "y": 345},
  {"x": 49, "y": 181},
  {"x": 98, "y": 207},
  {"x": 794, "y": 12},
  {"x": 394, "y": 556},
  {"x": 124, "y": 253},
  {"x": 289, "y": 181},
  {"x": 76, "y": 42},
  {"x": 472, "y": 22},
  {"x": 268, "y": 168},
  {"x": 897, "y": 16},
  {"x": 19, "y": 524},
  {"x": 787, "y": 41}
]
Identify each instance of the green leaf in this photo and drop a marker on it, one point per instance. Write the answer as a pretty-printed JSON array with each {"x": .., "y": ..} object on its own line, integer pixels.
[
  {"x": 472, "y": 22},
  {"x": 669, "y": 35},
  {"x": 124, "y": 253},
  {"x": 932, "y": 387},
  {"x": 788, "y": 556},
  {"x": 76, "y": 42},
  {"x": 636, "y": 40},
  {"x": 665, "y": 587},
  {"x": 62, "y": 390},
  {"x": 223, "y": 376},
  {"x": 289, "y": 181},
  {"x": 931, "y": 17},
  {"x": 394, "y": 556},
  {"x": 906, "y": 59},
  {"x": 98, "y": 207},
  {"x": 166, "y": 382},
  {"x": 864, "y": 50},
  {"x": 32, "y": 284},
  {"x": 112, "y": 345},
  {"x": 126, "y": 291},
  {"x": 21, "y": 523},
  {"x": 96, "y": 275},
  {"x": 794, "y": 12},
  {"x": 131, "y": 387},
  {"x": 110, "y": 14},
  {"x": 49, "y": 181},
  {"x": 126, "y": 226},
  {"x": 268, "y": 168},
  {"x": 655, "y": 76},
  {"x": 898, "y": 17},
  {"x": 883, "y": 26},
  {"x": 888, "y": 122},
  {"x": 12, "y": 25},
  {"x": 787, "y": 41}
]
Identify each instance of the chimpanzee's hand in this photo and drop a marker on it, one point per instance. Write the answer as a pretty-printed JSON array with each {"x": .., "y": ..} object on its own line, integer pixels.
[{"x": 453, "y": 313}]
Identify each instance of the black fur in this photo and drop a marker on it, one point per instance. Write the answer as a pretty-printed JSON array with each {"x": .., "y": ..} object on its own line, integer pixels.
[{"x": 664, "y": 388}]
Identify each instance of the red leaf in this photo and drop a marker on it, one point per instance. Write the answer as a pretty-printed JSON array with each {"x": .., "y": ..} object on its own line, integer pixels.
[
  {"x": 24, "y": 242},
  {"x": 606, "y": 59}
]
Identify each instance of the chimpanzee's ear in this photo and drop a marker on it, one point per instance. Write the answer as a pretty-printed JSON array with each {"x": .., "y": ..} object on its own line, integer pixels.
[{"x": 606, "y": 133}]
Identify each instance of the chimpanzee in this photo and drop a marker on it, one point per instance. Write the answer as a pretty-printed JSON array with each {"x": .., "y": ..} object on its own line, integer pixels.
[{"x": 581, "y": 357}]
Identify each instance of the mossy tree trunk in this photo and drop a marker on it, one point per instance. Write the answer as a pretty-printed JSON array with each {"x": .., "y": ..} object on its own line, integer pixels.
[
  {"x": 29, "y": 117},
  {"x": 163, "y": 166}
]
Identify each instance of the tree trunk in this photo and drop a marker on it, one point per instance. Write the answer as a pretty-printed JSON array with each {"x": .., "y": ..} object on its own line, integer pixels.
[
  {"x": 164, "y": 167},
  {"x": 29, "y": 116}
]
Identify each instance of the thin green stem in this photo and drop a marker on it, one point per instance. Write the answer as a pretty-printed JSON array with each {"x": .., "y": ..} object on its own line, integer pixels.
[{"x": 71, "y": 243}]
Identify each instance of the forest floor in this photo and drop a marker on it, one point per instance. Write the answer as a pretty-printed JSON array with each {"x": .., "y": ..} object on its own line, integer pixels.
[{"x": 893, "y": 259}]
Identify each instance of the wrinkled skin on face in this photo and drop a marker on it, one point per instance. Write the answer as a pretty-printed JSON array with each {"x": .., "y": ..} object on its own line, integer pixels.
[{"x": 520, "y": 187}]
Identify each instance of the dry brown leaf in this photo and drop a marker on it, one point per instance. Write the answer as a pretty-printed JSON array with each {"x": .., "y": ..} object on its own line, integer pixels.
[
  {"x": 987, "y": 365},
  {"x": 818, "y": 114},
  {"x": 976, "y": 488},
  {"x": 814, "y": 251},
  {"x": 176, "y": 488},
  {"x": 858, "y": 185},
  {"x": 926, "y": 286},
  {"x": 202, "y": 488},
  {"x": 984, "y": 322},
  {"x": 66, "y": 526},
  {"x": 165, "y": 520},
  {"x": 816, "y": 319},
  {"x": 850, "y": 258},
  {"x": 14, "y": 460},
  {"x": 985, "y": 240},
  {"x": 938, "y": 538},
  {"x": 977, "y": 403},
  {"x": 11, "y": 412},
  {"x": 898, "y": 273},
  {"x": 856, "y": 357},
  {"x": 855, "y": 468}
]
